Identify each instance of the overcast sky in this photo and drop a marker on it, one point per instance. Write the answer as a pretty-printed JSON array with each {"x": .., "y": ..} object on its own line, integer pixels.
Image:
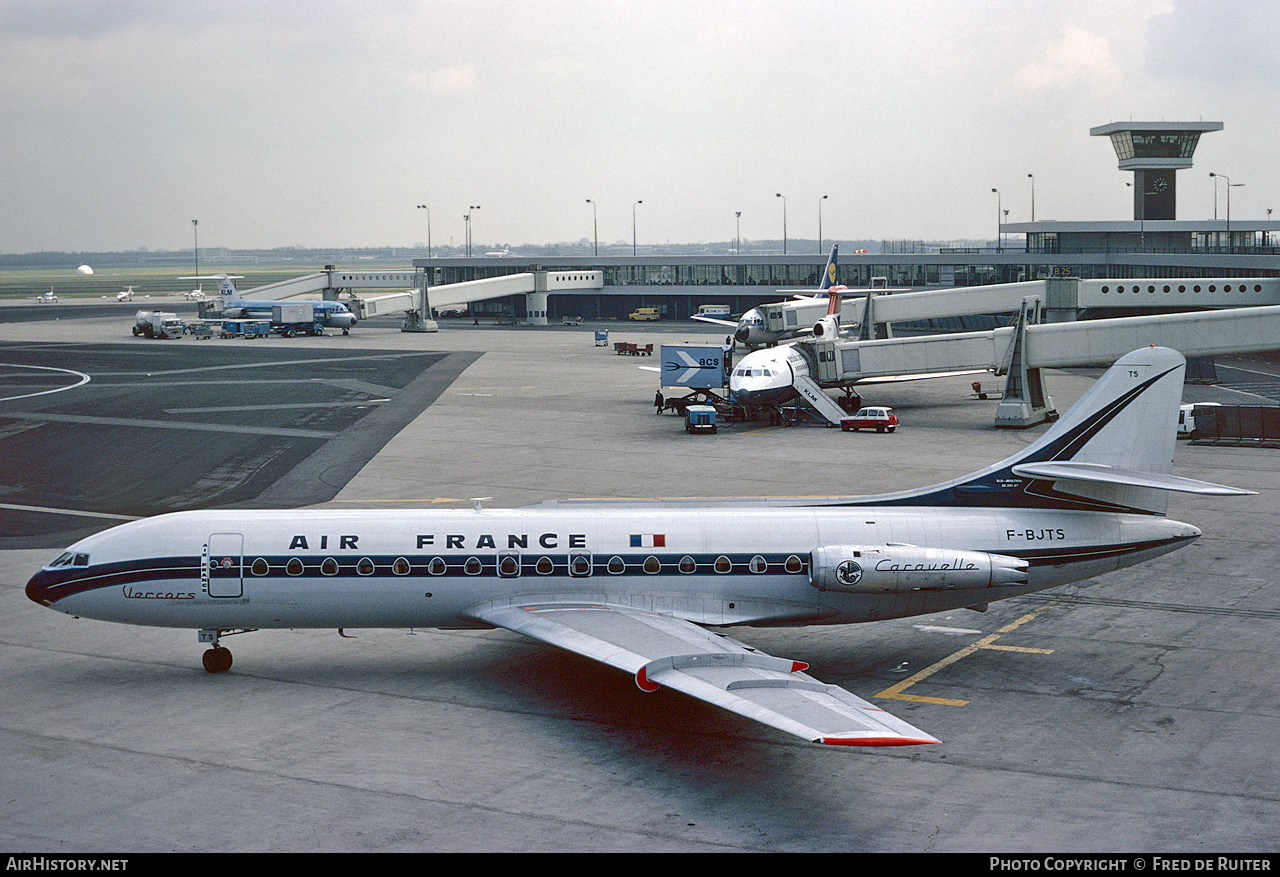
[{"x": 326, "y": 122}]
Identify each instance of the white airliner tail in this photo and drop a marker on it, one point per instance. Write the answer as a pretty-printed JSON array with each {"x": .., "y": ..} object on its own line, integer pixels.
[
  {"x": 1113, "y": 450},
  {"x": 226, "y": 285}
]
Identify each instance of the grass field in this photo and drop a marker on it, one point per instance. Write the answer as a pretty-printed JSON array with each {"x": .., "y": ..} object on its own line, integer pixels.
[{"x": 18, "y": 283}]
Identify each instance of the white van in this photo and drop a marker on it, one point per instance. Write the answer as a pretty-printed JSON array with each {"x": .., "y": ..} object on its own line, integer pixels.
[{"x": 1187, "y": 417}]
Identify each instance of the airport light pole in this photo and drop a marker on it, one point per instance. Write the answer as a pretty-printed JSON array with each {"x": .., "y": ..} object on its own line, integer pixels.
[
  {"x": 428, "y": 209},
  {"x": 595, "y": 226},
  {"x": 1142, "y": 223},
  {"x": 738, "y": 215},
  {"x": 999, "y": 224},
  {"x": 467, "y": 217},
  {"x": 1230, "y": 186},
  {"x": 784, "y": 224},
  {"x": 195, "y": 232},
  {"x": 820, "y": 200},
  {"x": 1032, "y": 177},
  {"x": 633, "y": 227}
]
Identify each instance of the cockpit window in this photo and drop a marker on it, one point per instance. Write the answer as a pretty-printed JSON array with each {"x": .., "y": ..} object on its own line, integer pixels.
[{"x": 70, "y": 558}]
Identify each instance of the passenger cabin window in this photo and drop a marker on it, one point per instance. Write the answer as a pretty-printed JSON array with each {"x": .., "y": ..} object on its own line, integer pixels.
[
  {"x": 328, "y": 567},
  {"x": 260, "y": 567},
  {"x": 580, "y": 565}
]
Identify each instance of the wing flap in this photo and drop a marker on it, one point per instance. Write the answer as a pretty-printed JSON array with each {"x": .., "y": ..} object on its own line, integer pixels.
[{"x": 660, "y": 650}]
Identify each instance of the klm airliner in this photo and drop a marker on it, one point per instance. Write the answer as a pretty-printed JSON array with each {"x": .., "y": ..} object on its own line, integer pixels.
[{"x": 332, "y": 314}]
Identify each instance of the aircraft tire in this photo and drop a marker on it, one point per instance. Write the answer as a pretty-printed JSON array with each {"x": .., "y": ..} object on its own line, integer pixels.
[{"x": 217, "y": 660}]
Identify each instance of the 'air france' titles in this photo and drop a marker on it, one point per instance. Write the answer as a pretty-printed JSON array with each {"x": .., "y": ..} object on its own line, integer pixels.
[{"x": 451, "y": 541}]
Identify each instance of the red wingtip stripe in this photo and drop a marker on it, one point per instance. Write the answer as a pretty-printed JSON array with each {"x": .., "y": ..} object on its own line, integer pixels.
[
  {"x": 873, "y": 741},
  {"x": 797, "y": 666}
]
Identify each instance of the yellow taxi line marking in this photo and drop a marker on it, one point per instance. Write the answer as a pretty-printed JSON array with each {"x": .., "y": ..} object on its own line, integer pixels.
[{"x": 895, "y": 692}]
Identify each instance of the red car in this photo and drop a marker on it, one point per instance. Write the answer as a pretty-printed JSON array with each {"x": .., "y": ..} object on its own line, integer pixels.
[{"x": 879, "y": 419}]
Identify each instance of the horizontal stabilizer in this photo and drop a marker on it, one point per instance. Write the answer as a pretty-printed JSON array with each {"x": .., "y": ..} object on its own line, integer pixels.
[{"x": 1099, "y": 473}]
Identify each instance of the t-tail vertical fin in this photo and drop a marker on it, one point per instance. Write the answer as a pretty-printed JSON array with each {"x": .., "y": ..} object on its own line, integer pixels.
[
  {"x": 829, "y": 325},
  {"x": 1113, "y": 450}
]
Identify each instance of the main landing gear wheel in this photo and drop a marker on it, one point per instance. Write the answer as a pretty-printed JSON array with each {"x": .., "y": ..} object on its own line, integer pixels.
[{"x": 217, "y": 660}]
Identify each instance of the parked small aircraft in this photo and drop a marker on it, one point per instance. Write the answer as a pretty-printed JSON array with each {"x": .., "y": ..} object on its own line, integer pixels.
[{"x": 47, "y": 298}]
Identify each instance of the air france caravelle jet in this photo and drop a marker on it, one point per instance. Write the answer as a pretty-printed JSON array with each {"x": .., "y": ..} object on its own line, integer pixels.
[
  {"x": 632, "y": 585},
  {"x": 333, "y": 314}
]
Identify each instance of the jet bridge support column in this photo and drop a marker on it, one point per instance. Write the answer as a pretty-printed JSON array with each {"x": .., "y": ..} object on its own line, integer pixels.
[
  {"x": 1025, "y": 401},
  {"x": 535, "y": 303},
  {"x": 418, "y": 319}
]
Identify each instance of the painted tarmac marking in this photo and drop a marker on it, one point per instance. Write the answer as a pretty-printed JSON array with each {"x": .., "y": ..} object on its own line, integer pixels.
[
  {"x": 76, "y": 512},
  {"x": 84, "y": 379},
  {"x": 895, "y": 692},
  {"x": 181, "y": 425}
]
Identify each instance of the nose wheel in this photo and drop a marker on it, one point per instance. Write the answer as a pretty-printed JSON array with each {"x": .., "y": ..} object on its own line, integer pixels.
[{"x": 217, "y": 659}]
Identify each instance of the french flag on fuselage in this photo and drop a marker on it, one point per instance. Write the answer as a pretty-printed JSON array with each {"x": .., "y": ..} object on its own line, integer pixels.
[{"x": 648, "y": 540}]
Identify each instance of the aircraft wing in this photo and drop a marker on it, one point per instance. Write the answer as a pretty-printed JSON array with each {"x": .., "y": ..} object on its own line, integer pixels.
[
  {"x": 718, "y": 322},
  {"x": 661, "y": 650}
]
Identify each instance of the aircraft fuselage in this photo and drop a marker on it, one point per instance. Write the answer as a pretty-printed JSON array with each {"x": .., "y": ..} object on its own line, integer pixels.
[
  {"x": 767, "y": 377},
  {"x": 335, "y": 315},
  {"x": 713, "y": 565}
]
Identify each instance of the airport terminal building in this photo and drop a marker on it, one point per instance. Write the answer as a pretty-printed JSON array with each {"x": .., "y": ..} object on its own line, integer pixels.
[{"x": 1153, "y": 244}]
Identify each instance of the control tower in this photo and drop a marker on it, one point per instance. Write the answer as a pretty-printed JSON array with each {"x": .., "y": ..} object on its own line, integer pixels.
[{"x": 1155, "y": 152}]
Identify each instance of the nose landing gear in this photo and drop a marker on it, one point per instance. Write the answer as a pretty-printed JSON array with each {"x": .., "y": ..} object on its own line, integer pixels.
[{"x": 218, "y": 658}]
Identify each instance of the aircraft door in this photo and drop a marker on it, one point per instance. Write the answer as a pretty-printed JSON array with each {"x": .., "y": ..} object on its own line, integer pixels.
[{"x": 222, "y": 566}]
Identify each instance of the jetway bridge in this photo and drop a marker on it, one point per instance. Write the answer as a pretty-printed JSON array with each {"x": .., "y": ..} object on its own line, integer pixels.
[
  {"x": 417, "y": 299},
  {"x": 1019, "y": 352},
  {"x": 1061, "y": 299}
]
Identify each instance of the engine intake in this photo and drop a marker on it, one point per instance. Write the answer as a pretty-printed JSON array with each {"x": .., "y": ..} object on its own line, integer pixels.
[
  {"x": 827, "y": 328},
  {"x": 893, "y": 567}
]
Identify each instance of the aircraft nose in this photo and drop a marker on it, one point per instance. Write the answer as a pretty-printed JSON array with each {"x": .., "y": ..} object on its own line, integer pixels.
[
  {"x": 743, "y": 333},
  {"x": 37, "y": 588}
]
